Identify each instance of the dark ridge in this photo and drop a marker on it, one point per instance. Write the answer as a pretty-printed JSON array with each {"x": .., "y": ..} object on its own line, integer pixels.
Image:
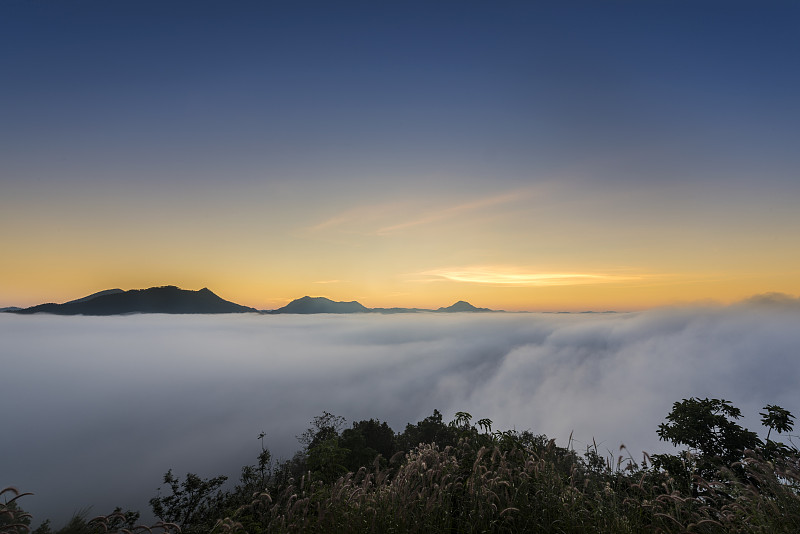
[
  {"x": 463, "y": 306},
  {"x": 95, "y": 295},
  {"x": 306, "y": 305},
  {"x": 398, "y": 310},
  {"x": 165, "y": 299}
]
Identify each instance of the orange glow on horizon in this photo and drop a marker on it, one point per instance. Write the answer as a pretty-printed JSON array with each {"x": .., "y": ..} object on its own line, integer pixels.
[
  {"x": 630, "y": 295},
  {"x": 513, "y": 250}
]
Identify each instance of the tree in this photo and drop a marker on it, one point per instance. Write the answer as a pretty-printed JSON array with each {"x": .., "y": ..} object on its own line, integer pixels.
[
  {"x": 192, "y": 503},
  {"x": 378, "y": 436},
  {"x": 323, "y": 427},
  {"x": 704, "y": 425},
  {"x": 366, "y": 441},
  {"x": 715, "y": 440},
  {"x": 430, "y": 430},
  {"x": 777, "y": 419},
  {"x": 327, "y": 459},
  {"x": 323, "y": 454}
]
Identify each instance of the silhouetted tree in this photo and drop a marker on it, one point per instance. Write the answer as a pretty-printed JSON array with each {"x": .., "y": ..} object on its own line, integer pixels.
[
  {"x": 777, "y": 419},
  {"x": 430, "y": 430},
  {"x": 366, "y": 441},
  {"x": 323, "y": 427},
  {"x": 192, "y": 503},
  {"x": 705, "y": 425},
  {"x": 715, "y": 440}
]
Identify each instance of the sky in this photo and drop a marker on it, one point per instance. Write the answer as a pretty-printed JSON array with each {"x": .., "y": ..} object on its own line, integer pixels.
[
  {"x": 97, "y": 409},
  {"x": 518, "y": 155}
]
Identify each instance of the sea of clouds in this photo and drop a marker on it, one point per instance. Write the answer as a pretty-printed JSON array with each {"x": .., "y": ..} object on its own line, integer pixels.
[{"x": 96, "y": 409}]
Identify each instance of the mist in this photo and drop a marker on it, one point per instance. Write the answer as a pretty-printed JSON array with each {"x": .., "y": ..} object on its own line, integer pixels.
[{"x": 97, "y": 409}]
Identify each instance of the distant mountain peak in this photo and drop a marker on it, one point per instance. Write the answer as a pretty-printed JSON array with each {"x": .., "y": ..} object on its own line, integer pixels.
[
  {"x": 163, "y": 299},
  {"x": 95, "y": 295},
  {"x": 306, "y": 305},
  {"x": 463, "y": 306},
  {"x": 172, "y": 299}
]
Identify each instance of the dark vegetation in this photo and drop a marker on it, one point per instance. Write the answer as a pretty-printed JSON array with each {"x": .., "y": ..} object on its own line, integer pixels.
[{"x": 463, "y": 477}]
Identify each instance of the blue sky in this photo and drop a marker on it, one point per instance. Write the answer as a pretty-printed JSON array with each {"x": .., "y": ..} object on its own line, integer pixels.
[{"x": 154, "y": 115}]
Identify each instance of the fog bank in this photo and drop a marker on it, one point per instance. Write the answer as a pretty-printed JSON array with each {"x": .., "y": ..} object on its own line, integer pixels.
[{"x": 96, "y": 409}]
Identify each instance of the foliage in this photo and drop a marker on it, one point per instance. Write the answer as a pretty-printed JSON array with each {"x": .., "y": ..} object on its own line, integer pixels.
[
  {"x": 430, "y": 430},
  {"x": 323, "y": 427},
  {"x": 255, "y": 477},
  {"x": 777, "y": 419},
  {"x": 12, "y": 518},
  {"x": 464, "y": 477},
  {"x": 189, "y": 503},
  {"x": 703, "y": 425},
  {"x": 714, "y": 441},
  {"x": 521, "y": 482},
  {"x": 366, "y": 441}
]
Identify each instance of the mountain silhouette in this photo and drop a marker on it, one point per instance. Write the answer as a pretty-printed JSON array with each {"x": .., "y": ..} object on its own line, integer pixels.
[
  {"x": 164, "y": 299},
  {"x": 463, "y": 306},
  {"x": 321, "y": 305},
  {"x": 95, "y": 295},
  {"x": 388, "y": 311},
  {"x": 308, "y": 305},
  {"x": 171, "y": 299}
]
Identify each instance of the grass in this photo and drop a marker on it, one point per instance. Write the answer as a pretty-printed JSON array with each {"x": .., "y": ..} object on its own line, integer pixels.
[
  {"x": 490, "y": 482},
  {"x": 525, "y": 487}
]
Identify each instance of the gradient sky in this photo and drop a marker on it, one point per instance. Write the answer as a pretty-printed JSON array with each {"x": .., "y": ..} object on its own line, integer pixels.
[{"x": 519, "y": 155}]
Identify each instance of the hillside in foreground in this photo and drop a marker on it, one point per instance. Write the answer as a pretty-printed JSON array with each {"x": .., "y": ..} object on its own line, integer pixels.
[{"x": 463, "y": 477}]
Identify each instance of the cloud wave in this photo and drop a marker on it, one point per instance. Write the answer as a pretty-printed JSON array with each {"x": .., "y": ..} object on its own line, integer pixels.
[{"x": 97, "y": 409}]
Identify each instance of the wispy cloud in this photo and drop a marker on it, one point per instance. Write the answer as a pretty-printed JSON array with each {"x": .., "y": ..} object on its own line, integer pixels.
[
  {"x": 395, "y": 217},
  {"x": 493, "y": 275},
  {"x": 360, "y": 215},
  {"x": 449, "y": 212},
  {"x": 327, "y": 281}
]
